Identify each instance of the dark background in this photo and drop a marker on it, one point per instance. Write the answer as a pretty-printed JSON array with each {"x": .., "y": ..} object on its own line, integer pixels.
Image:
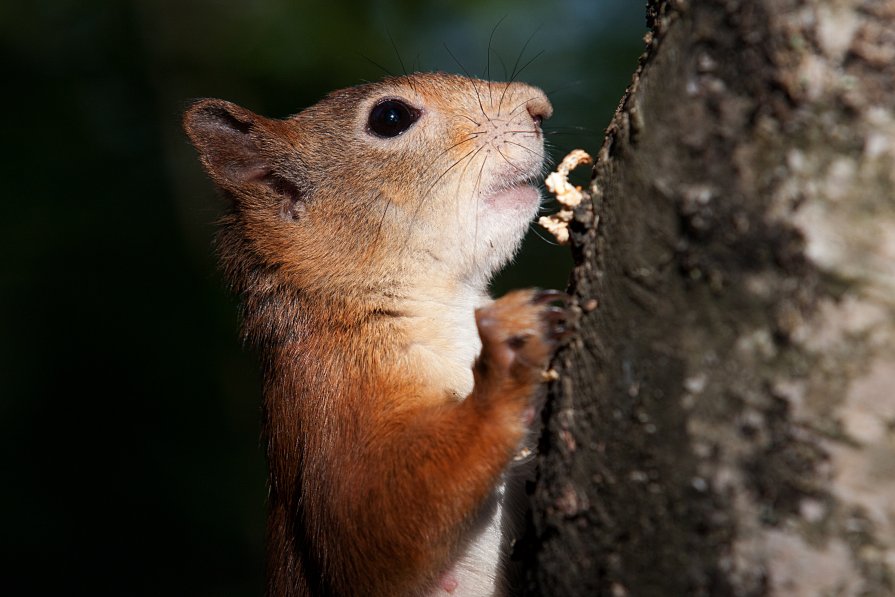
[{"x": 130, "y": 412}]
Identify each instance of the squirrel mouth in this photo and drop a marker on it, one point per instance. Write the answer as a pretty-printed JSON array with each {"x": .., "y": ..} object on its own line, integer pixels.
[{"x": 517, "y": 195}]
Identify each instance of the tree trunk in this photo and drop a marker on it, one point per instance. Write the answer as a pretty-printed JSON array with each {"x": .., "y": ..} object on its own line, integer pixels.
[{"x": 725, "y": 422}]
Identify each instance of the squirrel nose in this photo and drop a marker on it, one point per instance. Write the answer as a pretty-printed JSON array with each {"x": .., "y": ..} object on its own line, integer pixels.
[{"x": 539, "y": 107}]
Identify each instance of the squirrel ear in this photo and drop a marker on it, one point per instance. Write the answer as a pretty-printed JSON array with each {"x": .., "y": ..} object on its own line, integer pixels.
[
  {"x": 222, "y": 133},
  {"x": 240, "y": 148}
]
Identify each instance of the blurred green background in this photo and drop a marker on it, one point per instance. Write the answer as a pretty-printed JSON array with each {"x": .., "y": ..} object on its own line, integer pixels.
[{"x": 130, "y": 412}]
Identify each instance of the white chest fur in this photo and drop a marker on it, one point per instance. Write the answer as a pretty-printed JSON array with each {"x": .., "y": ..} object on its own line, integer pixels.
[{"x": 445, "y": 341}]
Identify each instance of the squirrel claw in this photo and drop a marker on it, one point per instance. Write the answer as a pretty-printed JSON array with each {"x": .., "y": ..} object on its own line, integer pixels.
[
  {"x": 544, "y": 296},
  {"x": 555, "y": 314}
]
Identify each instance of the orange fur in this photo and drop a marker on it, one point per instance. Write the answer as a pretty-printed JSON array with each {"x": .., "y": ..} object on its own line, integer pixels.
[{"x": 353, "y": 258}]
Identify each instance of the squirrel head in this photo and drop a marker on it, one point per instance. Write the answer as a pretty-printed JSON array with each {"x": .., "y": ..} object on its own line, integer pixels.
[{"x": 413, "y": 180}]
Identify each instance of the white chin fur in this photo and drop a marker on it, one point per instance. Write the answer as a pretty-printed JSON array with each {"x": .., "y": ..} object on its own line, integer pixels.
[
  {"x": 524, "y": 198},
  {"x": 503, "y": 220}
]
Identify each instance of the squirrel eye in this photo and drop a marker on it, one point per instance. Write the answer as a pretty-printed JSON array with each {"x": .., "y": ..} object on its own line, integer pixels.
[{"x": 391, "y": 117}]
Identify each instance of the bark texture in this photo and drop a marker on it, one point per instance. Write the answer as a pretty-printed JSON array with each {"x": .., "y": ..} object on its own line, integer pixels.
[{"x": 725, "y": 423}]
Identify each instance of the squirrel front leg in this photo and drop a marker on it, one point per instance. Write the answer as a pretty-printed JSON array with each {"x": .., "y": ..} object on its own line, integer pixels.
[{"x": 430, "y": 468}]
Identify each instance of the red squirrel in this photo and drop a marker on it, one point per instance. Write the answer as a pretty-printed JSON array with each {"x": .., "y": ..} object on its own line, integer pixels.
[{"x": 362, "y": 237}]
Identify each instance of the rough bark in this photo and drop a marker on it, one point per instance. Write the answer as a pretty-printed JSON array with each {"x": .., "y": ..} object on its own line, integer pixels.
[{"x": 725, "y": 423}]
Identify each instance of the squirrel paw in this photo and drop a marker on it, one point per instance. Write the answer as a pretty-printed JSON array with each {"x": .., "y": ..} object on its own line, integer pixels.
[{"x": 521, "y": 330}]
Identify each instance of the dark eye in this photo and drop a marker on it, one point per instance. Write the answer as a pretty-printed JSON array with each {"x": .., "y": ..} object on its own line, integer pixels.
[{"x": 390, "y": 118}]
